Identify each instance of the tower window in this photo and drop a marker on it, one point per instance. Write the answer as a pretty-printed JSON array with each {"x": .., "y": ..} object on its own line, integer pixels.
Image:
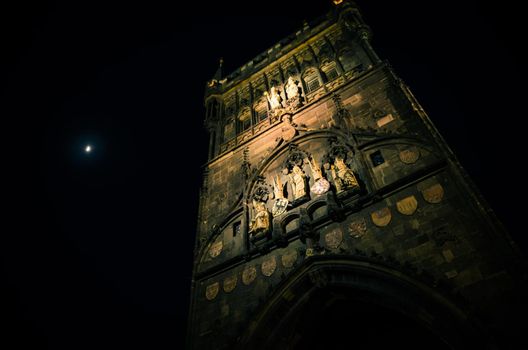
[
  {"x": 244, "y": 121},
  {"x": 330, "y": 71},
  {"x": 331, "y": 74},
  {"x": 229, "y": 130},
  {"x": 377, "y": 158},
  {"x": 261, "y": 113},
  {"x": 312, "y": 83}
]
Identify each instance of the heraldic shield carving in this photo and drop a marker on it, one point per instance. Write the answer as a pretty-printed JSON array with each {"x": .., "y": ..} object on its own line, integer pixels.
[
  {"x": 407, "y": 206},
  {"x": 216, "y": 249},
  {"x": 410, "y": 156},
  {"x": 230, "y": 283},
  {"x": 289, "y": 258},
  {"x": 357, "y": 228},
  {"x": 381, "y": 217},
  {"x": 333, "y": 238},
  {"x": 211, "y": 291},
  {"x": 248, "y": 275},
  {"x": 433, "y": 194},
  {"x": 268, "y": 266}
]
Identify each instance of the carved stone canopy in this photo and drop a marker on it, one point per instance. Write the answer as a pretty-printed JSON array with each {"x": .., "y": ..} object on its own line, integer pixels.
[
  {"x": 295, "y": 157},
  {"x": 336, "y": 150}
]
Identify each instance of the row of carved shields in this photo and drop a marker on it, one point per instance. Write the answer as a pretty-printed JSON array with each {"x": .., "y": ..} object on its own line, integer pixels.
[
  {"x": 249, "y": 274},
  {"x": 381, "y": 218},
  {"x": 408, "y": 205}
]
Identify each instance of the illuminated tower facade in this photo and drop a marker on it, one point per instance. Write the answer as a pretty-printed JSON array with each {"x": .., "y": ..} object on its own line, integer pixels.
[{"x": 332, "y": 213}]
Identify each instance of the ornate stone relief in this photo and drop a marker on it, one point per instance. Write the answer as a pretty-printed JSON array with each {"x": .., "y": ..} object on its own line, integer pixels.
[
  {"x": 407, "y": 206},
  {"x": 216, "y": 248},
  {"x": 293, "y": 92},
  {"x": 248, "y": 275},
  {"x": 260, "y": 222},
  {"x": 341, "y": 115},
  {"x": 293, "y": 168},
  {"x": 211, "y": 291},
  {"x": 230, "y": 283},
  {"x": 281, "y": 203},
  {"x": 290, "y": 129},
  {"x": 409, "y": 155},
  {"x": 381, "y": 217},
  {"x": 321, "y": 185},
  {"x": 289, "y": 259},
  {"x": 268, "y": 266},
  {"x": 433, "y": 194},
  {"x": 274, "y": 99},
  {"x": 357, "y": 228},
  {"x": 333, "y": 238},
  {"x": 343, "y": 177}
]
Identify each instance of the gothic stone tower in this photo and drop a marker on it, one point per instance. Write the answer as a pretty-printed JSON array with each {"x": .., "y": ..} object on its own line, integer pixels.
[{"x": 332, "y": 212}]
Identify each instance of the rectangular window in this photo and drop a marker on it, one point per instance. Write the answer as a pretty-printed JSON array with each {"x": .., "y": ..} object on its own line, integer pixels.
[
  {"x": 377, "y": 158},
  {"x": 244, "y": 124},
  {"x": 229, "y": 131},
  {"x": 262, "y": 114},
  {"x": 331, "y": 74},
  {"x": 312, "y": 83}
]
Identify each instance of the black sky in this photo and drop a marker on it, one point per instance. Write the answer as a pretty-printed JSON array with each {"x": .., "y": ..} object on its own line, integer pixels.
[{"x": 97, "y": 250}]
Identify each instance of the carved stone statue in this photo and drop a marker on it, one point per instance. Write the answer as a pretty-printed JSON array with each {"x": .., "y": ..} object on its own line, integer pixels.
[
  {"x": 344, "y": 178},
  {"x": 260, "y": 223},
  {"x": 274, "y": 98},
  {"x": 292, "y": 89},
  {"x": 278, "y": 188},
  {"x": 298, "y": 182},
  {"x": 321, "y": 185},
  {"x": 281, "y": 203}
]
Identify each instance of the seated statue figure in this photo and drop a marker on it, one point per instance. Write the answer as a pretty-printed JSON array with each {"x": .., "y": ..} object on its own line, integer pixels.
[
  {"x": 347, "y": 179},
  {"x": 261, "y": 220}
]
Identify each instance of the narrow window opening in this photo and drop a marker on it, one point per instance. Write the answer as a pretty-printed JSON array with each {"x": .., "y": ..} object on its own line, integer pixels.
[{"x": 377, "y": 158}]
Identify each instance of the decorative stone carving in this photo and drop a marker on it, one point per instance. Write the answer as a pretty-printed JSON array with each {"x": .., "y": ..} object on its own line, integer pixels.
[
  {"x": 298, "y": 182},
  {"x": 294, "y": 100},
  {"x": 321, "y": 185},
  {"x": 274, "y": 98},
  {"x": 293, "y": 168},
  {"x": 289, "y": 258},
  {"x": 268, "y": 266},
  {"x": 334, "y": 238},
  {"x": 410, "y": 155},
  {"x": 260, "y": 223},
  {"x": 341, "y": 115},
  {"x": 281, "y": 203},
  {"x": 433, "y": 194},
  {"x": 407, "y": 206},
  {"x": 211, "y": 291},
  {"x": 230, "y": 283},
  {"x": 335, "y": 160},
  {"x": 344, "y": 178},
  {"x": 216, "y": 248},
  {"x": 290, "y": 129},
  {"x": 357, "y": 228},
  {"x": 248, "y": 275},
  {"x": 292, "y": 89},
  {"x": 381, "y": 217}
]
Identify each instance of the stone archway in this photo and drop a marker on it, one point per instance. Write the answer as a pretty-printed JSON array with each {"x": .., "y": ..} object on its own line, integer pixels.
[{"x": 344, "y": 303}]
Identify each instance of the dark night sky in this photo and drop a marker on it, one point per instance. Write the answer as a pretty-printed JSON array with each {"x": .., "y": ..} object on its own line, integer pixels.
[{"x": 96, "y": 250}]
